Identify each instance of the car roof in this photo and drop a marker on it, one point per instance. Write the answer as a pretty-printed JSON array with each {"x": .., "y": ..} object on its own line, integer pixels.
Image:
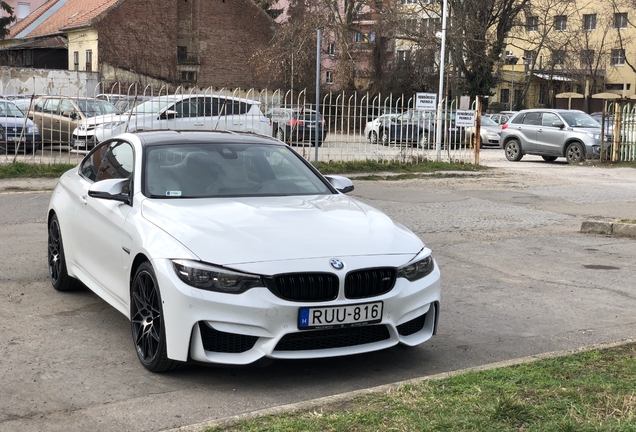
[
  {"x": 178, "y": 97},
  {"x": 168, "y": 136}
]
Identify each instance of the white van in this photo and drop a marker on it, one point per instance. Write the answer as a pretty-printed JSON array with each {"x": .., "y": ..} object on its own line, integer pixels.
[{"x": 176, "y": 112}]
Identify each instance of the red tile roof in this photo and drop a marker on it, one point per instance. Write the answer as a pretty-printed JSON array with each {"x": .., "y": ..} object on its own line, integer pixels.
[{"x": 74, "y": 13}]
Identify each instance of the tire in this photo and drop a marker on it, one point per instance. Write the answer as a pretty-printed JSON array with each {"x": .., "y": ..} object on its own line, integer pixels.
[
  {"x": 56, "y": 260},
  {"x": 384, "y": 137},
  {"x": 373, "y": 137},
  {"x": 147, "y": 323},
  {"x": 513, "y": 150},
  {"x": 549, "y": 158},
  {"x": 575, "y": 153},
  {"x": 280, "y": 135}
]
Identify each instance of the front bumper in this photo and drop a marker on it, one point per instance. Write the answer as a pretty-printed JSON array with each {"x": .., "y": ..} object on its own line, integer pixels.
[{"x": 243, "y": 328}]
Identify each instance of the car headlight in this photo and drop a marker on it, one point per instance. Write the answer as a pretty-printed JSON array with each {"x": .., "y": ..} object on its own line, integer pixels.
[
  {"x": 211, "y": 278},
  {"x": 110, "y": 125},
  {"x": 32, "y": 130},
  {"x": 417, "y": 269},
  {"x": 595, "y": 136}
]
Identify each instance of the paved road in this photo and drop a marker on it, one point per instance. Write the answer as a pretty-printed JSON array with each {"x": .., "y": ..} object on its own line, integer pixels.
[{"x": 518, "y": 279}]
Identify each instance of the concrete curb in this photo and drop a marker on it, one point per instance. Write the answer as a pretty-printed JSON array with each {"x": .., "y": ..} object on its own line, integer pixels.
[
  {"x": 609, "y": 228},
  {"x": 315, "y": 403}
]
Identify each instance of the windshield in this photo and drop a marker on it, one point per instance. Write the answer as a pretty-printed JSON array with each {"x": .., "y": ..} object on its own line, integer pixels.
[
  {"x": 227, "y": 170},
  {"x": 485, "y": 121},
  {"x": 8, "y": 109},
  {"x": 579, "y": 119},
  {"x": 96, "y": 107}
]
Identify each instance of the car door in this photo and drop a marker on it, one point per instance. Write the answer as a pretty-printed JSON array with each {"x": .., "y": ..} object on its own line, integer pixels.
[
  {"x": 183, "y": 115},
  {"x": 51, "y": 121},
  {"x": 550, "y": 138},
  {"x": 99, "y": 223},
  {"x": 69, "y": 119},
  {"x": 525, "y": 128}
]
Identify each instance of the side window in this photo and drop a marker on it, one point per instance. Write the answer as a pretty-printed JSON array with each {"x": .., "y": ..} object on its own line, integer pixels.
[
  {"x": 39, "y": 105},
  {"x": 52, "y": 106},
  {"x": 111, "y": 160},
  {"x": 67, "y": 109},
  {"x": 532, "y": 118},
  {"x": 186, "y": 108},
  {"x": 549, "y": 118},
  {"x": 518, "y": 119}
]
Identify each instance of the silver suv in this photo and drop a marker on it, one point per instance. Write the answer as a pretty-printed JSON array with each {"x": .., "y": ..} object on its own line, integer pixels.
[{"x": 551, "y": 133}]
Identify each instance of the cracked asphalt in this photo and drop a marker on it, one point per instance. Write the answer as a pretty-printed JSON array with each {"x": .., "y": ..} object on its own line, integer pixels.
[{"x": 518, "y": 279}]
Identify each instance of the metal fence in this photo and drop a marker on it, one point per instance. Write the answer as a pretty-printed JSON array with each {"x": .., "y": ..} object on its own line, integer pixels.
[
  {"x": 350, "y": 127},
  {"x": 619, "y": 124}
]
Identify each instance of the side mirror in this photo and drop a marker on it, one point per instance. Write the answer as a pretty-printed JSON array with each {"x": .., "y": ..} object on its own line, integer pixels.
[
  {"x": 341, "y": 184},
  {"x": 558, "y": 124},
  {"x": 168, "y": 114},
  {"x": 111, "y": 189}
]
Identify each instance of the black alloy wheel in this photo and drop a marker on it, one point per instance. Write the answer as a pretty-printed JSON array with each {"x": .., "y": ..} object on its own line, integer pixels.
[
  {"x": 575, "y": 153},
  {"x": 147, "y": 323},
  {"x": 58, "y": 275}
]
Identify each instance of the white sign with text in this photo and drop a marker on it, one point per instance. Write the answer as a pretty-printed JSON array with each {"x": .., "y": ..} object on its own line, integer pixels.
[
  {"x": 426, "y": 101},
  {"x": 465, "y": 118}
]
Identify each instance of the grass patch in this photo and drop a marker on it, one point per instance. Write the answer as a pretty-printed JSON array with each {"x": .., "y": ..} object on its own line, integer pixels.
[
  {"x": 631, "y": 164},
  {"x": 24, "y": 170},
  {"x": 371, "y": 166},
  {"x": 590, "y": 391},
  {"x": 628, "y": 221}
]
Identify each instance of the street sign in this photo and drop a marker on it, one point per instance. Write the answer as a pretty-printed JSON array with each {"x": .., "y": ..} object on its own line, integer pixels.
[
  {"x": 465, "y": 118},
  {"x": 426, "y": 101}
]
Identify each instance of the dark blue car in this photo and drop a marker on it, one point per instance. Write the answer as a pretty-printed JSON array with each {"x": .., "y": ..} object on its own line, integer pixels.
[{"x": 18, "y": 133}]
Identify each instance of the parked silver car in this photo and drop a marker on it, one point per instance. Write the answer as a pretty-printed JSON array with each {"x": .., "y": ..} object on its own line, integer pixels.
[{"x": 551, "y": 133}]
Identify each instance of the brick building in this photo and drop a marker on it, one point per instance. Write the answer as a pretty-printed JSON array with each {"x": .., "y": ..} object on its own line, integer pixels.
[{"x": 195, "y": 43}]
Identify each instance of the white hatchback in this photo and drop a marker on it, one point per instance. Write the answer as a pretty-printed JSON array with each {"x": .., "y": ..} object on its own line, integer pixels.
[{"x": 176, "y": 112}]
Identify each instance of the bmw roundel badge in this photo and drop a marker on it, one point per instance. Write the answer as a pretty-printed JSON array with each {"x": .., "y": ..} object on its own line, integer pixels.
[{"x": 336, "y": 263}]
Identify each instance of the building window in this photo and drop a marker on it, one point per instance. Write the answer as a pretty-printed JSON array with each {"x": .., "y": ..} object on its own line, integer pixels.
[
  {"x": 529, "y": 58},
  {"x": 504, "y": 96},
  {"x": 558, "y": 57},
  {"x": 358, "y": 37},
  {"x": 614, "y": 87},
  {"x": 618, "y": 57},
  {"x": 431, "y": 25},
  {"x": 587, "y": 59},
  {"x": 560, "y": 22},
  {"x": 329, "y": 77},
  {"x": 331, "y": 49},
  {"x": 409, "y": 1},
  {"x": 188, "y": 76},
  {"x": 89, "y": 60},
  {"x": 75, "y": 60},
  {"x": 532, "y": 24},
  {"x": 23, "y": 10},
  {"x": 620, "y": 20},
  {"x": 182, "y": 53},
  {"x": 403, "y": 55},
  {"x": 589, "y": 22}
]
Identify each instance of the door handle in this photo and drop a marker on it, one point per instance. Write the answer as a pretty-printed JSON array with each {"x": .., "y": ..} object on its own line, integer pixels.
[{"x": 83, "y": 199}]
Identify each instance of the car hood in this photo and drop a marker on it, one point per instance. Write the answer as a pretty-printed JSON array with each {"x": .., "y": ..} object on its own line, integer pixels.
[
  {"x": 227, "y": 231},
  {"x": 494, "y": 129},
  {"x": 106, "y": 118},
  {"x": 14, "y": 122}
]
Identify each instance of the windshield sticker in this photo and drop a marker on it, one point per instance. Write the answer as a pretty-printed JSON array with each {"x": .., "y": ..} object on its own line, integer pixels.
[{"x": 173, "y": 193}]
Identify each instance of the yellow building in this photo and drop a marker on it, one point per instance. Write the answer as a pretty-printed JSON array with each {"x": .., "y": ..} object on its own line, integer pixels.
[{"x": 568, "y": 54}]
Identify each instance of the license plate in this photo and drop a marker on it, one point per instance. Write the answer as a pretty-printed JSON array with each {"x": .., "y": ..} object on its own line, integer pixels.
[
  {"x": 13, "y": 138},
  {"x": 80, "y": 143},
  {"x": 339, "y": 316}
]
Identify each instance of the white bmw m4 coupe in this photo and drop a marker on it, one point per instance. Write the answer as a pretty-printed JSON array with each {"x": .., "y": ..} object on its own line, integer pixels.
[{"x": 228, "y": 248}]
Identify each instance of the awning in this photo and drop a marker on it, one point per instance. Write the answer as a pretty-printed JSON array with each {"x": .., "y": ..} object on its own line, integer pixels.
[
  {"x": 606, "y": 96},
  {"x": 550, "y": 77},
  {"x": 52, "y": 42},
  {"x": 569, "y": 95}
]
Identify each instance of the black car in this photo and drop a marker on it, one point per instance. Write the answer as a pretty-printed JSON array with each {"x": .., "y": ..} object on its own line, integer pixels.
[
  {"x": 17, "y": 132},
  {"x": 297, "y": 125},
  {"x": 418, "y": 128}
]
